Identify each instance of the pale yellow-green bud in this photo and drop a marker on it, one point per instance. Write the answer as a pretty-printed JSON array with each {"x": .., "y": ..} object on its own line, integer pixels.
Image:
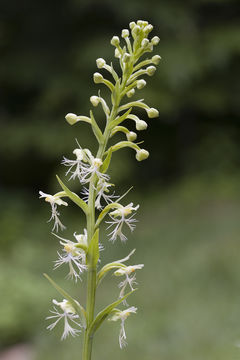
[
  {"x": 140, "y": 22},
  {"x": 141, "y": 83},
  {"x": 71, "y": 118},
  {"x": 152, "y": 113},
  {"x": 95, "y": 100},
  {"x": 131, "y": 136},
  {"x": 126, "y": 58},
  {"x": 145, "y": 43},
  {"x": 155, "y": 40},
  {"x": 130, "y": 93},
  {"x": 151, "y": 70},
  {"x": 141, "y": 125},
  {"x": 148, "y": 29},
  {"x": 136, "y": 30},
  {"x": 97, "y": 78},
  {"x": 142, "y": 154},
  {"x": 100, "y": 63},
  {"x": 115, "y": 41},
  {"x": 132, "y": 24},
  {"x": 156, "y": 59},
  {"x": 125, "y": 33},
  {"x": 117, "y": 53}
]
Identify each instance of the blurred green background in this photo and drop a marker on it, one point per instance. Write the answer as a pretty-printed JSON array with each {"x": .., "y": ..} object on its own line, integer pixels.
[{"x": 189, "y": 189}]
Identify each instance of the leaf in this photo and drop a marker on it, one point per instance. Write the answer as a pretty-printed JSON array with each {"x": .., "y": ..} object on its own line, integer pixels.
[
  {"x": 93, "y": 249},
  {"x": 105, "y": 211},
  {"x": 106, "y": 161},
  {"x": 96, "y": 130},
  {"x": 120, "y": 119},
  {"x": 74, "y": 197},
  {"x": 102, "y": 315},
  {"x": 77, "y": 307}
]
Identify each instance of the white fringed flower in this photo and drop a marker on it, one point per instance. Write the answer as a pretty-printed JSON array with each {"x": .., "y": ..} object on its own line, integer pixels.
[
  {"x": 68, "y": 314},
  {"x": 73, "y": 255},
  {"x": 54, "y": 201},
  {"x": 123, "y": 315},
  {"x": 129, "y": 280},
  {"x": 119, "y": 217}
]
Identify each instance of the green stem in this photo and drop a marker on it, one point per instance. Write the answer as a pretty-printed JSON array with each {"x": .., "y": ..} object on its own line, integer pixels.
[{"x": 92, "y": 269}]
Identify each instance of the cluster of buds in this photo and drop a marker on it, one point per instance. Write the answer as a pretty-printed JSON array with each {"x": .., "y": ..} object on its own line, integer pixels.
[{"x": 82, "y": 254}]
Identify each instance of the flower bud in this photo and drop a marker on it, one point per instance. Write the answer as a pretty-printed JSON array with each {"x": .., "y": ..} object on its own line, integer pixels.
[
  {"x": 132, "y": 24},
  {"x": 151, "y": 70},
  {"x": 141, "y": 83},
  {"x": 155, "y": 40},
  {"x": 156, "y": 59},
  {"x": 79, "y": 154},
  {"x": 144, "y": 43},
  {"x": 140, "y": 22},
  {"x": 115, "y": 41},
  {"x": 148, "y": 29},
  {"x": 142, "y": 154},
  {"x": 95, "y": 100},
  {"x": 141, "y": 125},
  {"x": 117, "y": 53},
  {"x": 135, "y": 31},
  {"x": 131, "y": 136},
  {"x": 130, "y": 93},
  {"x": 71, "y": 118},
  {"x": 100, "y": 63},
  {"x": 125, "y": 33},
  {"x": 152, "y": 113},
  {"x": 126, "y": 58},
  {"x": 97, "y": 78}
]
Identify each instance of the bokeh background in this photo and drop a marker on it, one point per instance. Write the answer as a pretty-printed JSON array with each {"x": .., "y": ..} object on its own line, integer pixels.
[{"x": 188, "y": 234}]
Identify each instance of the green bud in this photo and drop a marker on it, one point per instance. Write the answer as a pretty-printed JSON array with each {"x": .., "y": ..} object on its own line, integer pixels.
[
  {"x": 125, "y": 33},
  {"x": 141, "y": 83},
  {"x": 145, "y": 43},
  {"x": 126, "y": 57},
  {"x": 155, "y": 40},
  {"x": 97, "y": 78},
  {"x": 130, "y": 93},
  {"x": 156, "y": 59},
  {"x": 115, "y": 41},
  {"x": 141, "y": 125},
  {"x": 131, "y": 136},
  {"x": 95, "y": 100},
  {"x": 151, "y": 70},
  {"x": 100, "y": 63},
  {"x": 117, "y": 53},
  {"x": 152, "y": 113},
  {"x": 71, "y": 118},
  {"x": 142, "y": 155}
]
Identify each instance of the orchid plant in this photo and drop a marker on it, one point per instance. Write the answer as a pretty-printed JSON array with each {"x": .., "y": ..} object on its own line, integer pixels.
[{"x": 81, "y": 253}]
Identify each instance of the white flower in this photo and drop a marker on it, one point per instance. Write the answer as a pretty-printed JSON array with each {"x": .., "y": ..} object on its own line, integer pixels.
[
  {"x": 68, "y": 314},
  {"x": 54, "y": 200},
  {"x": 79, "y": 164},
  {"x": 119, "y": 217},
  {"x": 130, "y": 280},
  {"x": 123, "y": 315},
  {"x": 73, "y": 255},
  {"x": 93, "y": 169}
]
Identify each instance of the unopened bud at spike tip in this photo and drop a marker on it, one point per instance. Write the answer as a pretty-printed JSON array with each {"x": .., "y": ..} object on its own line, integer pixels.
[
  {"x": 131, "y": 136},
  {"x": 155, "y": 40},
  {"x": 141, "y": 83},
  {"x": 100, "y": 63},
  {"x": 151, "y": 70},
  {"x": 145, "y": 43},
  {"x": 71, "y": 118},
  {"x": 125, "y": 33},
  {"x": 141, "y": 125},
  {"x": 142, "y": 154},
  {"x": 115, "y": 41},
  {"x": 152, "y": 113},
  {"x": 94, "y": 100},
  {"x": 97, "y": 78},
  {"x": 130, "y": 93},
  {"x": 156, "y": 59}
]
